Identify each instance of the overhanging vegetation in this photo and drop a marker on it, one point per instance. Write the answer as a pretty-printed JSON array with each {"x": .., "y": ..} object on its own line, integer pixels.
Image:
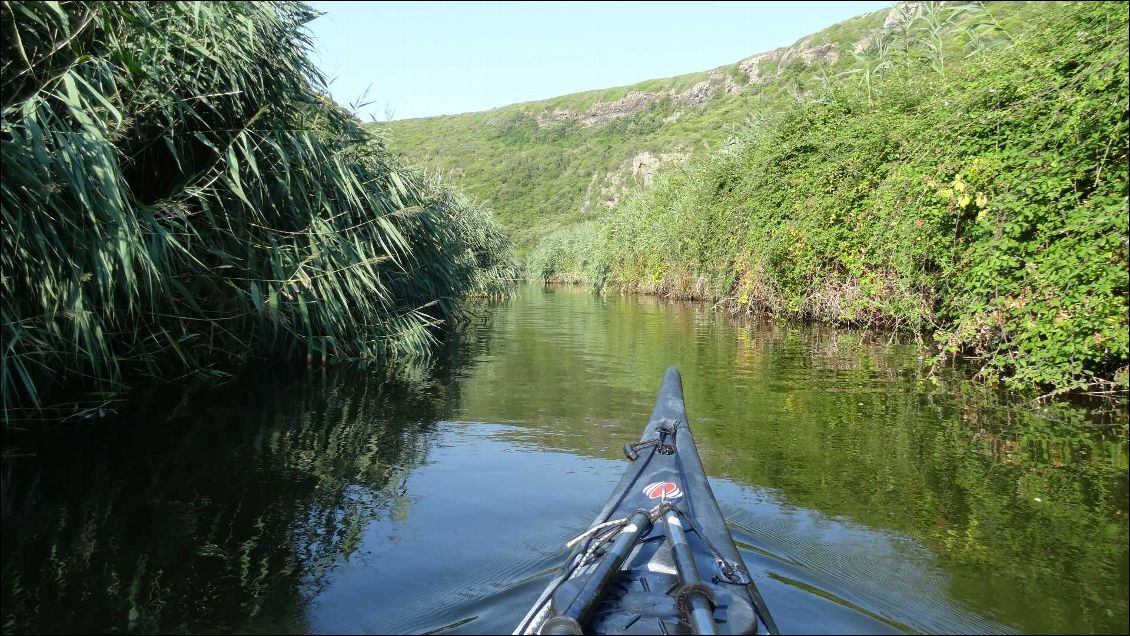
[{"x": 179, "y": 191}]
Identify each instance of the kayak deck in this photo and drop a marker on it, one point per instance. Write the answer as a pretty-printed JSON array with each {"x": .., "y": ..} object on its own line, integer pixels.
[{"x": 658, "y": 559}]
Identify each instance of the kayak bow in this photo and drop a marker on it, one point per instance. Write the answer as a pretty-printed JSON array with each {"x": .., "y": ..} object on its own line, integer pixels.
[{"x": 658, "y": 559}]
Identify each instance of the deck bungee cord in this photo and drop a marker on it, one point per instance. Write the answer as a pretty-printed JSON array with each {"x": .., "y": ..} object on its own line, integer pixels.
[
  {"x": 548, "y": 593},
  {"x": 659, "y": 557}
]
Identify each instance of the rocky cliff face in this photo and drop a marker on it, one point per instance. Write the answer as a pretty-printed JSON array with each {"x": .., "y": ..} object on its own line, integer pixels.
[
  {"x": 807, "y": 51},
  {"x": 603, "y": 112},
  {"x": 752, "y": 66}
]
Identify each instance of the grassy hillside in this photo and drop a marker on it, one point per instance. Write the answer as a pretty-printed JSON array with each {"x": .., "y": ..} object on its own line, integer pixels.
[
  {"x": 980, "y": 195},
  {"x": 178, "y": 193},
  {"x": 545, "y": 165}
]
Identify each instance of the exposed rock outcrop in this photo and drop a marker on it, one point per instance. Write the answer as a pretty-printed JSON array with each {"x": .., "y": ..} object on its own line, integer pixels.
[
  {"x": 611, "y": 187},
  {"x": 901, "y": 14},
  {"x": 897, "y": 17},
  {"x": 697, "y": 95},
  {"x": 823, "y": 53},
  {"x": 810, "y": 53},
  {"x": 645, "y": 164},
  {"x": 603, "y": 112},
  {"x": 752, "y": 66}
]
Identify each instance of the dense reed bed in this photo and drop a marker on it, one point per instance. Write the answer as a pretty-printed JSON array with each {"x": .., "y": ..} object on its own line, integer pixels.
[{"x": 179, "y": 193}]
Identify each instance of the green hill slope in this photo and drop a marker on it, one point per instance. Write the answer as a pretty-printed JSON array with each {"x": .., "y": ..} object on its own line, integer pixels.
[{"x": 548, "y": 164}]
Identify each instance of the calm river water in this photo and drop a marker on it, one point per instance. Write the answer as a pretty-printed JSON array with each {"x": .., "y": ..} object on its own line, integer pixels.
[{"x": 864, "y": 497}]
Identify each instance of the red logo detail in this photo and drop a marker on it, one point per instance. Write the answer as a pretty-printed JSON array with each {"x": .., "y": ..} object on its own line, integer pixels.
[{"x": 662, "y": 489}]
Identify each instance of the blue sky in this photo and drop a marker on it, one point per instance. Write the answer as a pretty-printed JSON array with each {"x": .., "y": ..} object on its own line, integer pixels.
[{"x": 440, "y": 58}]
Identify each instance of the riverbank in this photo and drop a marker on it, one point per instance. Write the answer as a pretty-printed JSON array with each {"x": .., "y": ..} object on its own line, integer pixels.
[{"x": 983, "y": 202}]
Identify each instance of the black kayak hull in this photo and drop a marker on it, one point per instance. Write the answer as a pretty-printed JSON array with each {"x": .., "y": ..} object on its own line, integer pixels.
[{"x": 648, "y": 593}]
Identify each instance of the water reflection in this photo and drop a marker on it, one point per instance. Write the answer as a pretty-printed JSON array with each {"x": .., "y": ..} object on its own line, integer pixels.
[
  {"x": 865, "y": 497},
  {"x": 221, "y": 514},
  {"x": 1023, "y": 505}
]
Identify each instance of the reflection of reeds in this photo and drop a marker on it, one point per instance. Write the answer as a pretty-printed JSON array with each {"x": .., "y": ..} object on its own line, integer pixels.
[
  {"x": 178, "y": 189},
  {"x": 234, "y": 514}
]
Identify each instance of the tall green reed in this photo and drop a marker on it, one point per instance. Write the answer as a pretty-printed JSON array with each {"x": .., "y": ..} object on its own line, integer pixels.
[{"x": 178, "y": 190}]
